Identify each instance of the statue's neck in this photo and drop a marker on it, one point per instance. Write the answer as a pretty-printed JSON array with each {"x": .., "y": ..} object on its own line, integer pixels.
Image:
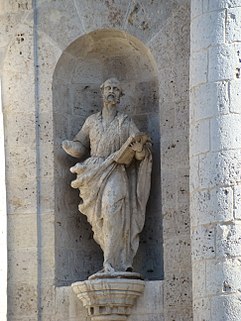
[{"x": 109, "y": 112}]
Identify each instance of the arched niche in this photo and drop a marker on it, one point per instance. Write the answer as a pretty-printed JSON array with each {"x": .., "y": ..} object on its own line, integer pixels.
[{"x": 83, "y": 66}]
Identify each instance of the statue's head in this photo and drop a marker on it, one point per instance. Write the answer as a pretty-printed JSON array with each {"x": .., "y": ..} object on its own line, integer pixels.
[{"x": 111, "y": 91}]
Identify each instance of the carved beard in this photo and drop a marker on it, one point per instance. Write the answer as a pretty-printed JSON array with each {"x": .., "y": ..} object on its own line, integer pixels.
[{"x": 111, "y": 98}]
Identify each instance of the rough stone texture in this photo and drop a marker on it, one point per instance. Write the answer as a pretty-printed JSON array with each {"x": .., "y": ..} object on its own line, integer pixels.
[
  {"x": 43, "y": 44},
  {"x": 215, "y": 160},
  {"x": 3, "y": 228}
]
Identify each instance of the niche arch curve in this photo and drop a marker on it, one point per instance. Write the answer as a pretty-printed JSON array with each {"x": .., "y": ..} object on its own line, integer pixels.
[{"x": 82, "y": 67}]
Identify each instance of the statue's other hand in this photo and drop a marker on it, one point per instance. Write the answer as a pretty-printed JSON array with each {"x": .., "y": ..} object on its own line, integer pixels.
[{"x": 137, "y": 146}]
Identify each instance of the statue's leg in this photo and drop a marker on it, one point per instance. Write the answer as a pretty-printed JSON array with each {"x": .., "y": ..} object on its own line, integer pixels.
[{"x": 115, "y": 227}]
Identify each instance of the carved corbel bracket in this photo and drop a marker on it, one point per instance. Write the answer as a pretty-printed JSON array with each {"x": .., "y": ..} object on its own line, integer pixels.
[{"x": 109, "y": 299}]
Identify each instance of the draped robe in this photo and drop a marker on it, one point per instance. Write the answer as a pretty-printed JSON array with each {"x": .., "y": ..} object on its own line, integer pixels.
[{"x": 113, "y": 196}]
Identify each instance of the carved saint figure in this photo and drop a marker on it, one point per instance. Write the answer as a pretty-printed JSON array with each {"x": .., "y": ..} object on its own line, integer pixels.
[{"x": 114, "y": 179}]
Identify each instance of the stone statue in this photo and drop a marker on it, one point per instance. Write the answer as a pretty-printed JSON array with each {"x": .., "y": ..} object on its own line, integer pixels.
[{"x": 114, "y": 179}]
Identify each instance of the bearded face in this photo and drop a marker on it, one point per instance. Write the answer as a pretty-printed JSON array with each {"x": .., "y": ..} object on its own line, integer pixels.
[{"x": 111, "y": 92}]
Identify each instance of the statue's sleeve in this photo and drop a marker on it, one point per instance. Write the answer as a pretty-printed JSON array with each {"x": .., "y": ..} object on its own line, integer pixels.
[
  {"x": 83, "y": 135},
  {"x": 132, "y": 128}
]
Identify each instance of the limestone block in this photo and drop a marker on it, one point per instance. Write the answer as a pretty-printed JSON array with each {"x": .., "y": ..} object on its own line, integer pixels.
[
  {"x": 215, "y": 205},
  {"x": 203, "y": 243},
  {"x": 168, "y": 187},
  {"x": 177, "y": 249},
  {"x": 97, "y": 14},
  {"x": 15, "y": 6},
  {"x": 47, "y": 293},
  {"x": 223, "y": 276},
  {"x": 194, "y": 175},
  {"x": 22, "y": 301},
  {"x": 168, "y": 221},
  {"x": 196, "y": 8},
  {"x": 146, "y": 317},
  {"x": 167, "y": 118},
  {"x": 20, "y": 56},
  {"x": 8, "y": 24},
  {"x": 46, "y": 225},
  {"x": 22, "y": 128},
  {"x": 220, "y": 4},
  {"x": 21, "y": 197},
  {"x": 144, "y": 20},
  {"x": 177, "y": 288},
  {"x": 16, "y": 224},
  {"x": 48, "y": 265},
  {"x": 233, "y": 32},
  {"x": 166, "y": 86},
  {"x": 182, "y": 116},
  {"x": 182, "y": 186},
  {"x": 20, "y": 161},
  {"x": 210, "y": 99},
  {"x": 63, "y": 17},
  {"x": 228, "y": 240},
  {"x": 226, "y": 308},
  {"x": 18, "y": 98},
  {"x": 47, "y": 194},
  {"x": 207, "y": 30},
  {"x": 176, "y": 220},
  {"x": 220, "y": 168},
  {"x": 151, "y": 302},
  {"x": 175, "y": 148},
  {"x": 198, "y": 281},
  {"x": 178, "y": 313},
  {"x": 63, "y": 299},
  {"x": 22, "y": 265},
  {"x": 235, "y": 101},
  {"x": 237, "y": 202},
  {"x": 198, "y": 140},
  {"x": 202, "y": 309},
  {"x": 224, "y": 62},
  {"x": 198, "y": 65},
  {"x": 46, "y": 59},
  {"x": 225, "y": 132}
]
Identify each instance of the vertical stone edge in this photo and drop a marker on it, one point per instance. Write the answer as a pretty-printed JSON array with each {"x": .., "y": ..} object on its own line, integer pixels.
[{"x": 3, "y": 225}]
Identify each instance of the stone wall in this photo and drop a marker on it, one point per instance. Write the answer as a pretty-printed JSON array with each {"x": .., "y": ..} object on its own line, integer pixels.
[
  {"x": 215, "y": 143},
  {"x": 37, "y": 37}
]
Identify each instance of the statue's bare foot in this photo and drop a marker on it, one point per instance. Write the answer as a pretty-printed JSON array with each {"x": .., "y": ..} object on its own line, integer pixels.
[{"x": 108, "y": 268}]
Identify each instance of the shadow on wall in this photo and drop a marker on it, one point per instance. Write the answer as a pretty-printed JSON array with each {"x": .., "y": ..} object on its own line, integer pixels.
[{"x": 83, "y": 66}]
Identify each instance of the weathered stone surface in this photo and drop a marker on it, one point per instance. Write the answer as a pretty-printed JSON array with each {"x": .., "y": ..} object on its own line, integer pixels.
[
  {"x": 209, "y": 100},
  {"x": 211, "y": 206},
  {"x": 203, "y": 243},
  {"x": 224, "y": 276},
  {"x": 211, "y": 30},
  {"x": 198, "y": 63}
]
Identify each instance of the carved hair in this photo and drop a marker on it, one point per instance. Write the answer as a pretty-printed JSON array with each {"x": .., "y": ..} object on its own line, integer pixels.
[{"x": 112, "y": 81}]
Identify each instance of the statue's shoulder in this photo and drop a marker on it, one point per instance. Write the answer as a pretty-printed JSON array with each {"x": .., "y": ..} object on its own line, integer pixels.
[
  {"x": 123, "y": 117},
  {"x": 93, "y": 118}
]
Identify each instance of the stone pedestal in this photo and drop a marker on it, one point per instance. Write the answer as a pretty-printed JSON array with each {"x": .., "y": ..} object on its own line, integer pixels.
[{"x": 109, "y": 299}]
